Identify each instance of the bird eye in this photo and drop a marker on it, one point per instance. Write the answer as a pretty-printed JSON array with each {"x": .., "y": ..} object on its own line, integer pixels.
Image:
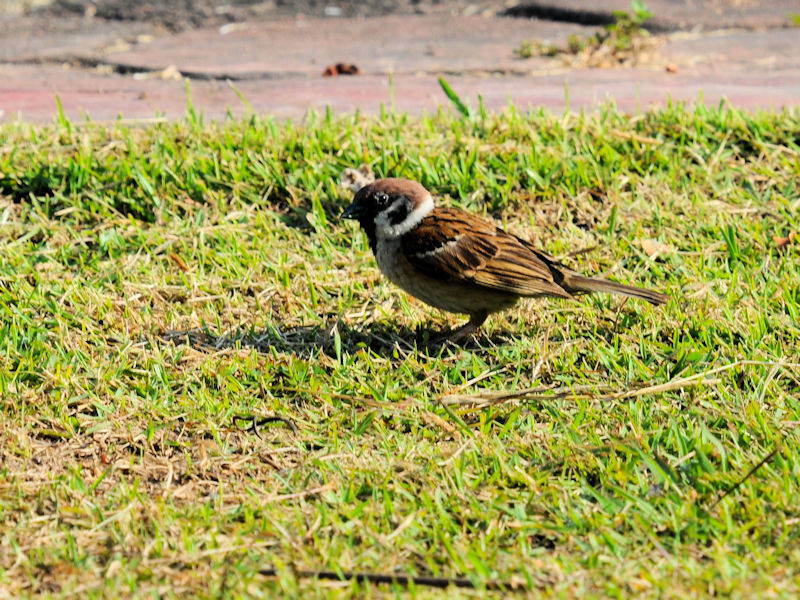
[{"x": 381, "y": 199}]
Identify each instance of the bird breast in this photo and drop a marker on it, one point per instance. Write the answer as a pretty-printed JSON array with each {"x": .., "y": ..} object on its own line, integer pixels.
[{"x": 445, "y": 295}]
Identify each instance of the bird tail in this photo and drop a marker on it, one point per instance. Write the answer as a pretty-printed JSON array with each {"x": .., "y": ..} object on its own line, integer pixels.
[{"x": 576, "y": 284}]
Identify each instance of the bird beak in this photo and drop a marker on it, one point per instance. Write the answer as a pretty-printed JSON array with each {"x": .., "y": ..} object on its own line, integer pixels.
[{"x": 354, "y": 211}]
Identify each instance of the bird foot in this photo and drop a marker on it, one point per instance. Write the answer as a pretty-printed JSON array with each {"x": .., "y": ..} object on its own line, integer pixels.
[{"x": 458, "y": 335}]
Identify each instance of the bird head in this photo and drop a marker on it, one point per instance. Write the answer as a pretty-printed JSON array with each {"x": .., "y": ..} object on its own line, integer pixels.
[{"x": 388, "y": 208}]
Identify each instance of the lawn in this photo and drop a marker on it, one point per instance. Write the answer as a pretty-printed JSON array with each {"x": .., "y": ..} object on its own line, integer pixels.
[{"x": 209, "y": 390}]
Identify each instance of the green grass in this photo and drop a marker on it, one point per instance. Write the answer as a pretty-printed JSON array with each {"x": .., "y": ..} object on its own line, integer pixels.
[{"x": 156, "y": 282}]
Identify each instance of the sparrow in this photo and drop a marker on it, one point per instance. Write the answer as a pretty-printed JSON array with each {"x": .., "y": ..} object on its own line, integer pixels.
[{"x": 459, "y": 262}]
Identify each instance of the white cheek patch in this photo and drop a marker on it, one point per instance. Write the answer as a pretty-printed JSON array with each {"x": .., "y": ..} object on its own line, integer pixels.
[{"x": 385, "y": 229}]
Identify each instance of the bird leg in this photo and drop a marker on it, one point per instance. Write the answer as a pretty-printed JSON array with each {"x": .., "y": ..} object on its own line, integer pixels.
[{"x": 457, "y": 335}]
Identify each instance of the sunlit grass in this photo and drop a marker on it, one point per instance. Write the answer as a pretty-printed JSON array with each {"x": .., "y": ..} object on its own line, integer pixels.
[{"x": 156, "y": 282}]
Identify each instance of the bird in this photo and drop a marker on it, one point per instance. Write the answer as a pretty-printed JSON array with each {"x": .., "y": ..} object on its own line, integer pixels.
[{"x": 459, "y": 262}]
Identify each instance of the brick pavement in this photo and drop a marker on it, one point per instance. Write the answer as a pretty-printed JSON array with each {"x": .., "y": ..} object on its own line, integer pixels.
[{"x": 136, "y": 70}]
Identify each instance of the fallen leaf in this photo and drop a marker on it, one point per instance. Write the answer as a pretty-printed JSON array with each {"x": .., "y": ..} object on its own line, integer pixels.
[
  {"x": 782, "y": 242},
  {"x": 654, "y": 247},
  {"x": 341, "y": 69},
  {"x": 348, "y": 69}
]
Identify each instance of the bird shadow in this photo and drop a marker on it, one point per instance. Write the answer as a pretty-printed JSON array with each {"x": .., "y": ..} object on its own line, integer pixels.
[{"x": 333, "y": 340}]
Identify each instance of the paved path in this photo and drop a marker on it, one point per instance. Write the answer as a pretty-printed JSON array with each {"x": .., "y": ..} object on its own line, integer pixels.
[{"x": 106, "y": 69}]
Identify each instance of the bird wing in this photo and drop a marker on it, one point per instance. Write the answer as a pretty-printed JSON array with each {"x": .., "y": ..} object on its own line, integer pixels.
[{"x": 453, "y": 245}]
